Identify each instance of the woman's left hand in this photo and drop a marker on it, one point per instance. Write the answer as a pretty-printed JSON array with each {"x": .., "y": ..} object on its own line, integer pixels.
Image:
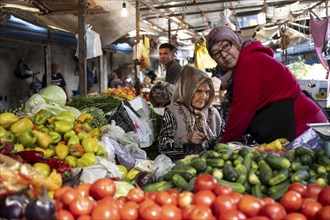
[{"x": 196, "y": 137}]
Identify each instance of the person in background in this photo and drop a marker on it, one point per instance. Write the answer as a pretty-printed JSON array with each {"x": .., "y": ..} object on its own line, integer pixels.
[
  {"x": 266, "y": 100},
  {"x": 190, "y": 123},
  {"x": 152, "y": 75},
  {"x": 166, "y": 56},
  {"x": 115, "y": 81},
  {"x": 57, "y": 79}
]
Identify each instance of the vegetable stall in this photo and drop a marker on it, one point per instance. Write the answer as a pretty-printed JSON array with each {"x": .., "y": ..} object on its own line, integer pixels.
[{"x": 97, "y": 159}]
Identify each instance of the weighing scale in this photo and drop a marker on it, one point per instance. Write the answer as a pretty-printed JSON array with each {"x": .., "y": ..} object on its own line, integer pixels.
[{"x": 323, "y": 130}]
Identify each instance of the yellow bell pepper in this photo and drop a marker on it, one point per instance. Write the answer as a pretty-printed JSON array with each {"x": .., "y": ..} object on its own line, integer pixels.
[
  {"x": 18, "y": 147},
  {"x": 7, "y": 119},
  {"x": 85, "y": 117},
  {"x": 74, "y": 140},
  {"x": 48, "y": 153},
  {"x": 71, "y": 160},
  {"x": 66, "y": 116},
  {"x": 88, "y": 159},
  {"x": 133, "y": 173},
  {"x": 63, "y": 126},
  {"x": 23, "y": 124},
  {"x": 56, "y": 137},
  {"x": 43, "y": 139},
  {"x": 42, "y": 168},
  {"x": 82, "y": 135},
  {"x": 3, "y": 131},
  {"x": 95, "y": 133},
  {"x": 68, "y": 134},
  {"x": 61, "y": 151},
  {"x": 90, "y": 145}
]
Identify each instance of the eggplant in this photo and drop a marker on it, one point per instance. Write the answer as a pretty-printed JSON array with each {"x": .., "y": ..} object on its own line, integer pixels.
[
  {"x": 144, "y": 178},
  {"x": 73, "y": 181},
  {"x": 42, "y": 208},
  {"x": 13, "y": 206}
]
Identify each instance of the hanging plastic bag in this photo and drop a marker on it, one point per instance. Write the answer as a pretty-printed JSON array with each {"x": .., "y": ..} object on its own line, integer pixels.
[
  {"x": 201, "y": 56},
  {"x": 141, "y": 52},
  {"x": 93, "y": 43}
]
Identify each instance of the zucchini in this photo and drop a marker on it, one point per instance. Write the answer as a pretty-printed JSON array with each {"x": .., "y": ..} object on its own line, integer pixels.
[
  {"x": 280, "y": 177},
  {"x": 300, "y": 175},
  {"x": 179, "y": 181},
  {"x": 229, "y": 173},
  {"x": 277, "y": 162},
  {"x": 215, "y": 163},
  {"x": 199, "y": 164},
  {"x": 236, "y": 187},
  {"x": 265, "y": 172}
]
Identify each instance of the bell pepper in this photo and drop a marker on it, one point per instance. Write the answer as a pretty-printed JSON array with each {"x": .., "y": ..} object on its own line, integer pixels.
[
  {"x": 60, "y": 166},
  {"x": 73, "y": 140},
  {"x": 61, "y": 151},
  {"x": 66, "y": 116},
  {"x": 82, "y": 135},
  {"x": 18, "y": 147},
  {"x": 7, "y": 119},
  {"x": 87, "y": 159},
  {"x": 3, "y": 131},
  {"x": 43, "y": 139},
  {"x": 79, "y": 128},
  {"x": 63, "y": 126},
  {"x": 51, "y": 119},
  {"x": 31, "y": 156},
  {"x": 42, "y": 168},
  {"x": 47, "y": 152},
  {"x": 68, "y": 134},
  {"x": 88, "y": 126},
  {"x": 56, "y": 137},
  {"x": 85, "y": 117},
  {"x": 27, "y": 138},
  {"x": 71, "y": 160},
  {"x": 90, "y": 145},
  {"x": 41, "y": 117},
  {"x": 44, "y": 130},
  {"x": 95, "y": 133},
  {"x": 76, "y": 150},
  {"x": 101, "y": 151},
  {"x": 9, "y": 136},
  {"x": 6, "y": 147},
  {"x": 23, "y": 124}
]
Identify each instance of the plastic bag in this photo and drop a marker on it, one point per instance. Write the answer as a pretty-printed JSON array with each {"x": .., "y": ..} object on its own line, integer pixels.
[
  {"x": 201, "y": 56},
  {"x": 93, "y": 43},
  {"x": 161, "y": 165},
  {"x": 309, "y": 139}
]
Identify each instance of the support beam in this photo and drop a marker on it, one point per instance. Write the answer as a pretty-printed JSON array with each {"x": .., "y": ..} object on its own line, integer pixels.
[{"x": 82, "y": 11}]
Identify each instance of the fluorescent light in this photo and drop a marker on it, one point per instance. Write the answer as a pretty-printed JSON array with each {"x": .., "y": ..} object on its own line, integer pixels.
[{"x": 22, "y": 7}]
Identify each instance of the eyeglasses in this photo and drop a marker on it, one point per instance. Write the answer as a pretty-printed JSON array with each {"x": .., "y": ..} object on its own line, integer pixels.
[{"x": 225, "y": 48}]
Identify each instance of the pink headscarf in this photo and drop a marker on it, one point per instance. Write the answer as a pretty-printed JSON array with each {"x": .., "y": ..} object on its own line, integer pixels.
[{"x": 220, "y": 34}]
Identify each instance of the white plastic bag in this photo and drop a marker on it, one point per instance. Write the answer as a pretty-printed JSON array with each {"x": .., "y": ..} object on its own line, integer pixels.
[
  {"x": 93, "y": 43},
  {"x": 161, "y": 165}
]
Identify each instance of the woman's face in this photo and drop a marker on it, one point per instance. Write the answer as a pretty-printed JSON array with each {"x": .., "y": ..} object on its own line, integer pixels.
[
  {"x": 225, "y": 53},
  {"x": 201, "y": 96}
]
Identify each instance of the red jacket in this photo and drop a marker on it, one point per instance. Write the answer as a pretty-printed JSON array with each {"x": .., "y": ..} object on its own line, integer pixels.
[{"x": 260, "y": 80}]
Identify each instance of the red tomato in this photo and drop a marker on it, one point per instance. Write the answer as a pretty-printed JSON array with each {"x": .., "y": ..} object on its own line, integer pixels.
[
  {"x": 324, "y": 213},
  {"x": 129, "y": 211},
  {"x": 136, "y": 195},
  {"x": 258, "y": 217},
  {"x": 64, "y": 215},
  {"x": 223, "y": 204},
  {"x": 83, "y": 189},
  {"x": 222, "y": 189},
  {"x": 84, "y": 217},
  {"x": 204, "y": 197},
  {"x": 69, "y": 196},
  {"x": 105, "y": 211},
  {"x": 81, "y": 206},
  {"x": 249, "y": 205},
  {"x": 153, "y": 211},
  {"x": 233, "y": 215},
  {"x": 174, "y": 192},
  {"x": 186, "y": 211},
  {"x": 59, "y": 192},
  {"x": 150, "y": 195},
  {"x": 236, "y": 196},
  {"x": 291, "y": 201},
  {"x": 171, "y": 212},
  {"x": 273, "y": 211},
  {"x": 313, "y": 190},
  {"x": 205, "y": 181},
  {"x": 268, "y": 200},
  {"x": 185, "y": 199},
  {"x": 295, "y": 216},
  {"x": 200, "y": 212},
  {"x": 58, "y": 204},
  {"x": 102, "y": 188},
  {"x": 324, "y": 196},
  {"x": 310, "y": 207},
  {"x": 298, "y": 187},
  {"x": 145, "y": 204},
  {"x": 164, "y": 197}
]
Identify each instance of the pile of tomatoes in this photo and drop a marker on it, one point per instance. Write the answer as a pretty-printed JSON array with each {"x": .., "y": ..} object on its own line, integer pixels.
[{"x": 209, "y": 201}]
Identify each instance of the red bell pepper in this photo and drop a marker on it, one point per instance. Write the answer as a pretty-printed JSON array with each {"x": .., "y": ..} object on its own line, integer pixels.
[
  {"x": 60, "y": 166},
  {"x": 31, "y": 156}
]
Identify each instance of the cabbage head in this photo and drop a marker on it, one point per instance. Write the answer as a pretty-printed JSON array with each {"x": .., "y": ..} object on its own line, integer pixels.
[
  {"x": 54, "y": 95},
  {"x": 33, "y": 101}
]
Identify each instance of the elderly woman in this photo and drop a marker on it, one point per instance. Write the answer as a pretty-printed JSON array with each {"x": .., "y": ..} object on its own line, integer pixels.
[
  {"x": 265, "y": 98},
  {"x": 190, "y": 124}
]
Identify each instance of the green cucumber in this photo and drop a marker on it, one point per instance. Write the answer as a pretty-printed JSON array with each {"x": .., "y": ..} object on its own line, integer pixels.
[
  {"x": 179, "y": 181},
  {"x": 290, "y": 155},
  {"x": 298, "y": 166},
  {"x": 159, "y": 186},
  {"x": 236, "y": 187},
  {"x": 229, "y": 173},
  {"x": 277, "y": 162},
  {"x": 247, "y": 161},
  {"x": 215, "y": 163},
  {"x": 265, "y": 172},
  {"x": 199, "y": 164},
  {"x": 278, "y": 195},
  {"x": 300, "y": 175},
  {"x": 280, "y": 177},
  {"x": 242, "y": 173},
  {"x": 278, "y": 187},
  {"x": 256, "y": 190}
]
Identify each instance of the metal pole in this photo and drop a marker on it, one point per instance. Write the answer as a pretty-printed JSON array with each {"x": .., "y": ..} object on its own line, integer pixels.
[
  {"x": 82, "y": 10},
  {"x": 137, "y": 40}
]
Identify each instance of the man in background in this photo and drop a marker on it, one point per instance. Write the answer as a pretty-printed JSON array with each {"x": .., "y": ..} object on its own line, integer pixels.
[{"x": 166, "y": 56}]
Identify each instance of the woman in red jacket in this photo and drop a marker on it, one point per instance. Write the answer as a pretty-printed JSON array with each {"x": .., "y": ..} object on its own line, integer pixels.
[{"x": 266, "y": 100}]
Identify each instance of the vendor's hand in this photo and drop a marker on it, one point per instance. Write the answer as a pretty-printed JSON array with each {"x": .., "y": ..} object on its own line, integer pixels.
[{"x": 194, "y": 137}]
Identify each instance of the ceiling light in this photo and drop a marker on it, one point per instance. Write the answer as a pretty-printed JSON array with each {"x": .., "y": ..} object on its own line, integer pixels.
[
  {"x": 124, "y": 11},
  {"x": 22, "y": 7}
]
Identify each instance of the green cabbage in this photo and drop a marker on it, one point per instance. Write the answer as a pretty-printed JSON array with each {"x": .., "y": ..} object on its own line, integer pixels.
[
  {"x": 34, "y": 100},
  {"x": 54, "y": 95}
]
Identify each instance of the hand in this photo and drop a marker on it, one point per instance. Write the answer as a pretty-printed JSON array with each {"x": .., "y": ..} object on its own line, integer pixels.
[{"x": 194, "y": 137}]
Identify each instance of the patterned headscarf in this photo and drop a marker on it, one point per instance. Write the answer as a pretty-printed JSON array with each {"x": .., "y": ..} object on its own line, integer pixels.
[
  {"x": 161, "y": 94},
  {"x": 189, "y": 81},
  {"x": 222, "y": 33}
]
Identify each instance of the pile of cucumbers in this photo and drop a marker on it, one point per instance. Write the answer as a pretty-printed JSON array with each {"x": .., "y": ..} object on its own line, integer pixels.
[{"x": 245, "y": 171}]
